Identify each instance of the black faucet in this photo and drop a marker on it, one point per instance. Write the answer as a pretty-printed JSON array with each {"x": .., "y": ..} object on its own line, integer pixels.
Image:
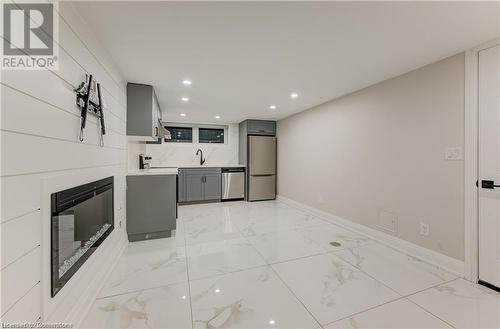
[{"x": 202, "y": 160}]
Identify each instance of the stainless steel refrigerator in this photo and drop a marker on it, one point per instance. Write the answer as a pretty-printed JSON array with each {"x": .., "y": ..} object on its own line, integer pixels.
[{"x": 261, "y": 168}]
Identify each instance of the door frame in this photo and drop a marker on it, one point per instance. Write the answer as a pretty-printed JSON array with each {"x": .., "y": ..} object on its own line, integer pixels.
[{"x": 471, "y": 160}]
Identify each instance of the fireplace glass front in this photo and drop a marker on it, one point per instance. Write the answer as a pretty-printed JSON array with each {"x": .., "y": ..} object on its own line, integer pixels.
[{"x": 82, "y": 217}]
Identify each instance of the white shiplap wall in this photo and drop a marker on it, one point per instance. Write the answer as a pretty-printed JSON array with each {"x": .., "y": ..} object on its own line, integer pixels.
[{"x": 40, "y": 150}]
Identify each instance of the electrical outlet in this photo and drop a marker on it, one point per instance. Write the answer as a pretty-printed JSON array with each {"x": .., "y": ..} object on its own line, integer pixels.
[
  {"x": 424, "y": 229},
  {"x": 453, "y": 153}
]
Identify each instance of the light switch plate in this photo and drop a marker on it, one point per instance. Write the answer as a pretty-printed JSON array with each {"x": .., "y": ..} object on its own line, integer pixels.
[
  {"x": 424, "y": 229},
  {"x": 453, "y": 153}
]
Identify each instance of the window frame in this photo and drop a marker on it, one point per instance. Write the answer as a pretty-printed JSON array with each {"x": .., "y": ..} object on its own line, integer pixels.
[
  {"x": 191, "y": 141},
  {"x": 213, "y": 129}
]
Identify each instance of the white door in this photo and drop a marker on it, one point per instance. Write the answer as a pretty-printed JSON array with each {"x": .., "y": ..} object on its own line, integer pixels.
[{"x": 489, "y": 165}]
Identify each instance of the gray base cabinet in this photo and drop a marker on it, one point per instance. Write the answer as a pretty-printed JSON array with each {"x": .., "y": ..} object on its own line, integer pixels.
[
  {"x": 212, "y": 187},
  {"x": 194, "y": 187},
  {"x": 151, "y": 206},
  {"x": 199, "y": 184}
]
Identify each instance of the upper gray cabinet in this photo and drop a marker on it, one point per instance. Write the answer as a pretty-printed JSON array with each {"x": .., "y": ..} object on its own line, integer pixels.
[
  {"x": 143, "y": 112},
  {"x": 261, "y": 127}
]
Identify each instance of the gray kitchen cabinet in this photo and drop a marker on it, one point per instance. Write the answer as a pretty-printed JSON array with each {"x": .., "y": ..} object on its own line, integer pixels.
[
  {"x": 151, "y": 206},
  {"x": 212, "y": 187},
  {"x": 181, "y": 183},
  {"x": 261, "y": 127},
  {"x": 194, "y": 187},
  {"x": 144, "y": 118},
  {"x": 199, "y": 184}
]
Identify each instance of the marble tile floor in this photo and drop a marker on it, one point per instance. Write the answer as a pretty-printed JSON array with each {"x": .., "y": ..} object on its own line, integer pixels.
[{"x": 269, "y": 265}]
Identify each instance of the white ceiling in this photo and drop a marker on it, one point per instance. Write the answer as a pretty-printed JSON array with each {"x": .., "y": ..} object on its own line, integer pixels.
[{"x": 243, "y": 56}]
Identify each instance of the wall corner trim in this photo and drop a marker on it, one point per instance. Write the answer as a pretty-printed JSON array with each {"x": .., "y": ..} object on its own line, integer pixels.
[
  {"x": 471, "y": 157},
  {"x": 447, "y": 263},
  {"x": 471, "y": 114}
]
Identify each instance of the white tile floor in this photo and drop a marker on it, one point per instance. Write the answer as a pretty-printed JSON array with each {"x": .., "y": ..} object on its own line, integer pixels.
[{"x": 267, "y": 265}]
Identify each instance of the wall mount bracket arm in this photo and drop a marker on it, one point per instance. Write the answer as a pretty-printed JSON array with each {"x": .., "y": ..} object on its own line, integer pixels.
[{"x": 89, "y": 100}]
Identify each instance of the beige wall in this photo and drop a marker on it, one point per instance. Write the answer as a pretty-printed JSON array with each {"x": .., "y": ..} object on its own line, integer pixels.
[{"x": 383, "y": 149}]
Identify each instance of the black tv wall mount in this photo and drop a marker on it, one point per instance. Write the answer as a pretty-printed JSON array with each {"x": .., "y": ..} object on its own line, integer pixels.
[{"x": 89, "y": 100}]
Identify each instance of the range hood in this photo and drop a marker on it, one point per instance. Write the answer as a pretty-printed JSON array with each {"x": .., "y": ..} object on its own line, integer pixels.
[{"x": 163, "y": 133}]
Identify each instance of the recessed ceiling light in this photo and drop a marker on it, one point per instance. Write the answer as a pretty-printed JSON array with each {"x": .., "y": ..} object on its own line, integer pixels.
[
  {"x": 217, "y": 290},
  {"x": 272, "y": 107},
  {"x": 185, "y": 99},
  {"x": 217, "y": 116},
  {"x": 186, "y": 82},
  {"x": 272, "y": 322},
  {"x": 183, "y": 114},
  {"x": 294, "y": 95}
]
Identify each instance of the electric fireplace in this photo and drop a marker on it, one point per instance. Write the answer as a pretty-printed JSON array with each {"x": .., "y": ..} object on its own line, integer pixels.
[{"x": 81, "y": 219}]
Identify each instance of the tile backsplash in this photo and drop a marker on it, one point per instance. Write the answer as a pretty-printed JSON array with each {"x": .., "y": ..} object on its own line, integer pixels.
[
  {"x": 134, "y": 149},
  {"x": 182, "y": 154}
]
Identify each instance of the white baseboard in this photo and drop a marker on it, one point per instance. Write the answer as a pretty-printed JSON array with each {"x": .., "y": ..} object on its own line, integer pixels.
[{"x": 447, "y": 263}]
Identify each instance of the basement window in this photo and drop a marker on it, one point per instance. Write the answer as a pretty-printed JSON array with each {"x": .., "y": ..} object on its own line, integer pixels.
[
  {"x": 180, "y": 134},
  {"x": 211, "y": 135}
]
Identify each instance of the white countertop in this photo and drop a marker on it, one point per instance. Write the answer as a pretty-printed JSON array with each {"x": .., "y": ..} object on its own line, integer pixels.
[
  {"x": 154, "y": 171},
  {"x": 174, "y": 170},
  {"x": 210, "y": 166}
]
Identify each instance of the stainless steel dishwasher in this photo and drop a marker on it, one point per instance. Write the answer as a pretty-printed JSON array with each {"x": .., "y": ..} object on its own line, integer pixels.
[{"x": 233, "y": 183}]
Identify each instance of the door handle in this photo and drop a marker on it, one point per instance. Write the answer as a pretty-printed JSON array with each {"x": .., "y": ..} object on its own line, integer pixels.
[{"x": 489, "y": 184}]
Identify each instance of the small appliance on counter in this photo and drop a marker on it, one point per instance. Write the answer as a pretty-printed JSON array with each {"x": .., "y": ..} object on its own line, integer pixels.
[
  {"x": 233, "y": 183},
  {"x": 144, "y": 161}
]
